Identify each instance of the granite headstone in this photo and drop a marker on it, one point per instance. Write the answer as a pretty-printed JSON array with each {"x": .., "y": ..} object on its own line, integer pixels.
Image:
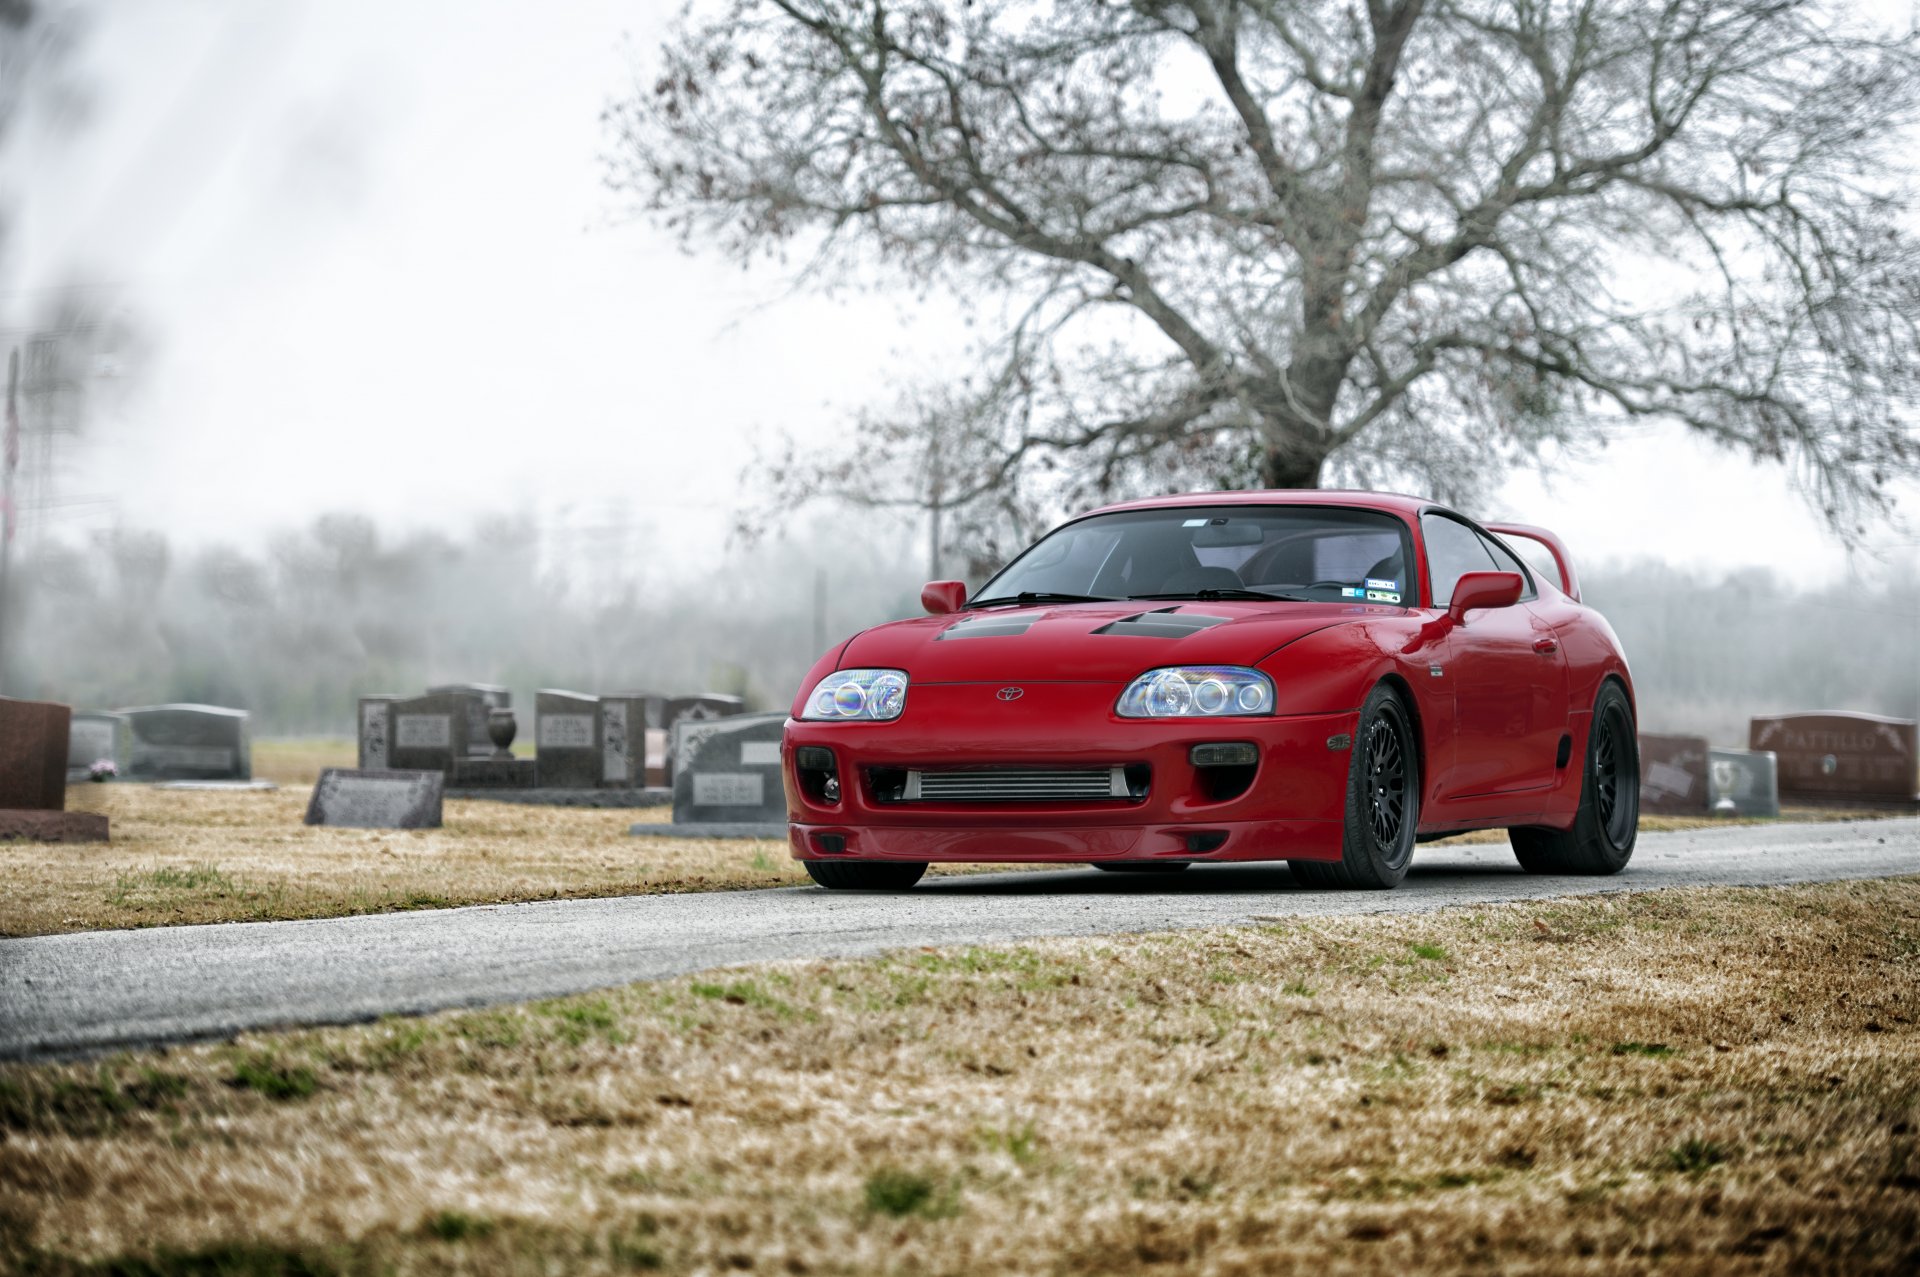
[
  {"x": 376, "y": 732},
  {"x": 377, "y": 799},
  {"x": 623, "y": 738},
  {"x": 1835, "y": 756},
  {"x": 699, "y": 708},
  {"x": 485, "y": 698},
  {"x": 566, "y": 739},
  {"x": 730, "y": 770},
  {"x": 1743, "y": 782},
  {"x": 95, "y": 738},
  {"x": 34, "y": 740},
  {"x": 429, "y": 732},
  {"x": 188, "y": 742},
  {"x": 1673, "y": 774}
]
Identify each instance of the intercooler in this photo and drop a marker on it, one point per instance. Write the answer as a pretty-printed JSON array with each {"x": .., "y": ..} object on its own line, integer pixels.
[{"x": 1034, "y": 785}]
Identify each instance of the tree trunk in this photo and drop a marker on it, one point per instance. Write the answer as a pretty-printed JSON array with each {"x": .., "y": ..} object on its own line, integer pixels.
[{"x": 1292, "y": 466}]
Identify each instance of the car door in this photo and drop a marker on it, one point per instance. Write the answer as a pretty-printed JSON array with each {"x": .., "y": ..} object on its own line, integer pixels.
[{"x": 1504, "y": 667}]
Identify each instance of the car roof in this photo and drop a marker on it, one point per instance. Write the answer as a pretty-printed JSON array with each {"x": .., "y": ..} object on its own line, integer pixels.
[{"x": 1398, "y": 503}]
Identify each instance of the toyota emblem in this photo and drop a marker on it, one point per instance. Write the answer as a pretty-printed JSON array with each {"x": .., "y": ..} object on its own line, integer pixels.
[{"x": 1011, "y": 693}]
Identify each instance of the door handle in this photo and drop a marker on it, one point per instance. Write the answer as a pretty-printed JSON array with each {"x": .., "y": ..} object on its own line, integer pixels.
[{"x": 1546, "y": 646}]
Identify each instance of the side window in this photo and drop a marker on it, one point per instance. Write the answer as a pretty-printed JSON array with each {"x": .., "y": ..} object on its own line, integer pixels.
[
  {"x": 1453, "y": 550},
  {"x": 1505, "y": 562}
]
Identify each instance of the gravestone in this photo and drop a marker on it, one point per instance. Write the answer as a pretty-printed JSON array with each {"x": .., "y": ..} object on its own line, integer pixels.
[
  {"x": 34, "y": 741},
  {"x": 699, "y": 708},
  {"x": 623, "y": 738},
  {"x": 377, "y": 799},
  {"x": 1742, "y": 782},
  {"x": 95, "y": 738},
  {"x": 729, "y": 770},
  {"x": 566, "y": 739},
  {"x": 35, "y": 737},
  {"x": 485, "y": 697},
  {"x": 376, "y": 732},
  {"x": 429, "y": 732},
  {"x": 1673, "y": 774},
  {"x": 187, "y": 742},
  {"x": 1837, "y": 757}
]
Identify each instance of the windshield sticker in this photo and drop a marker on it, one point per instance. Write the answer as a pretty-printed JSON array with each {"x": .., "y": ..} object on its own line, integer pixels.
[
  {"x": 1352, "y": 592},
  {"x": 1376, "y": 583},
  {"x": 1193, "y": 523},
  {"x": 1382, "y": 596}
]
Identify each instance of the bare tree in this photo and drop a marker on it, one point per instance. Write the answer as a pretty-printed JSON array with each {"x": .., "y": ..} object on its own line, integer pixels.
[{"x": 1405, "y": 240}]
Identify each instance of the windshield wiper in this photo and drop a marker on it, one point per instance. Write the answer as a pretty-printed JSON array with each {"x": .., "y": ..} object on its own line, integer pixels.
[
  {"x": 1230, "y": 592},
  {"x": 1027, "y": 598}
]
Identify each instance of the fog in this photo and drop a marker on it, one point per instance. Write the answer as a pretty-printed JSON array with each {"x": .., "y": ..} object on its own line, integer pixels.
[{"x": 295, "y": 629}]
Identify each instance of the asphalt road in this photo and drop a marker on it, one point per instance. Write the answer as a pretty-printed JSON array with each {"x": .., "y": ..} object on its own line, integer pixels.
[{"x": 73, "y": 995}]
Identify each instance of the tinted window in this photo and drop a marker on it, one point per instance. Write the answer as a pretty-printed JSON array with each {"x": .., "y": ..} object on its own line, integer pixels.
[
  {"x": 1314, "y": 552},
  {"x": 1453, "y": 550},
  {"x": 1504, "y": 561}
]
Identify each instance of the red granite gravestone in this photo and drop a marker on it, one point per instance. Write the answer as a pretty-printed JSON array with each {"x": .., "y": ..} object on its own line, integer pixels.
[
  {"x": 1673, "y": 774},
  {"x": 33, "y": 754},
  {"x": 33, "y": 776},
  {"x": 1831, "y": 757}
]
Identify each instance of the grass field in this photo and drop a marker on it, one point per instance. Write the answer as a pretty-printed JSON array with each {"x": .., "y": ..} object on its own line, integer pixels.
[
  {"x": 1691, "y": 1081},
  {"x": 193, "y": 856}
]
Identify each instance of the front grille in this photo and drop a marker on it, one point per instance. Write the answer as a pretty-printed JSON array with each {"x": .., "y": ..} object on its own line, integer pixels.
[{"x": 1033, "y": 785}]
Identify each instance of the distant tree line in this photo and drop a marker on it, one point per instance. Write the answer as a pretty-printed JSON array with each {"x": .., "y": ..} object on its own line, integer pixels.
[{"x": 296, "y": 629}]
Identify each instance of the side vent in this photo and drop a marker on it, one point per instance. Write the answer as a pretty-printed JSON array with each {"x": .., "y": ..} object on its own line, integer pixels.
[{"x": 1566, "y": 751}]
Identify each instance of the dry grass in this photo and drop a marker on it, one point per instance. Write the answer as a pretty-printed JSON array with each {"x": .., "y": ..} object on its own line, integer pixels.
[
  {"x": 1699, "y": 1081},
  {"x": 192, "y": 856}
]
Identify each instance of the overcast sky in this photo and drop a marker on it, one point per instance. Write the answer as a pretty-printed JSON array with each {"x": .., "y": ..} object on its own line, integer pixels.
[{"x": 379, "y": 272}]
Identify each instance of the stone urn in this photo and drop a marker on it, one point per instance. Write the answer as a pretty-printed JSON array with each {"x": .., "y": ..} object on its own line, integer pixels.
[{"x": 501, "y": 727}]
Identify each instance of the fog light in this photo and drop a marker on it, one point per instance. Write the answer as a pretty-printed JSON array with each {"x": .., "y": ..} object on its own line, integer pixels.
[
  {"x": 813, "y": 758},
  {"x": 1224, "y": 754}
]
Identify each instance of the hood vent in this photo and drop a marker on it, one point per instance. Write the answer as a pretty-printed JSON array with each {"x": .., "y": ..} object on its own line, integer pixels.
[
  {"x": 986, "y": 627},
  {"x": 1164, "y": 623}
]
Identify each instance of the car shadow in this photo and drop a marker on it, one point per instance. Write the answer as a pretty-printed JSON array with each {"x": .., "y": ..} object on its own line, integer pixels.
[{"x": 1202, "y": 880}]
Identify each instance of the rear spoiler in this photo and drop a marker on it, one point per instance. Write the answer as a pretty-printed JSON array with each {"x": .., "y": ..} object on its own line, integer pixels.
[{"x": 1569, "y": 581}]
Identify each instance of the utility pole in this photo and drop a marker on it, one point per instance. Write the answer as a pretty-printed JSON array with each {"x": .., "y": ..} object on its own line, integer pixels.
[
  {"x": 9, "y": 512},
  {"x": 936, "y": 490},
  {"x": 820, "y": 610}
]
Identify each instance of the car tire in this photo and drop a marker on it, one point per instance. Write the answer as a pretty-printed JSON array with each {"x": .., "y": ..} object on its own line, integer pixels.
[
  {"x": 1608, "y": 818},
  {"x": 1145, "y": 866},
  {"x": 865, "y": 875},
  {"x": 1383, "y": 802}
]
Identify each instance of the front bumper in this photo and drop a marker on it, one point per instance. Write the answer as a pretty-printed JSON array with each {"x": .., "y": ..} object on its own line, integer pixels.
[{"x": 1292, "y": 808}]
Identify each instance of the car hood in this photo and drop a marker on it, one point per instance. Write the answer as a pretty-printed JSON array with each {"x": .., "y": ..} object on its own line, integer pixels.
[{"x": 1091, "y": 642}]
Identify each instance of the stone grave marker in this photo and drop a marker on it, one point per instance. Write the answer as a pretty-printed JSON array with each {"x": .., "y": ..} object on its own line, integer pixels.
[
  {"x": 377, "y": 799},
  {"x": 729, "y": 770},
  {"x": 1835, "y": 757},
  {"x": 1673, "y": 774},
  {"x": 376, "y": 732},
  {"x": 1742, "y": 782},
  {"x": 92, "y": 738},
  {"x": 188, "y": 742},
  {"x": 567, "y": 739},
  {"x": 428, "y": 732},
  {"x": 698, "y": 708},
  {"x": 623, "y": 740},
  {"x": 35, "y": 737},
  {"x": 485, "y": 698}
]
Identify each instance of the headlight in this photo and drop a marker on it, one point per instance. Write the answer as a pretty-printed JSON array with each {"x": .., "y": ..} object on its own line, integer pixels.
[
  {"x": 1197, "y": 691},
  {"x": 871, "y": 696}
]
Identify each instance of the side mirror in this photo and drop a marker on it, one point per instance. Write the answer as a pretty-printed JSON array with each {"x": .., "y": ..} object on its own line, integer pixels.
[
  {"x": 1484, "y": 589},
  {"x": 942, "y": 597}
]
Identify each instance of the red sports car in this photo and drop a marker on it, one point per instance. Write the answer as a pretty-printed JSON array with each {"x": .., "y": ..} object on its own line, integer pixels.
[{"x": 1324, "y": 678}]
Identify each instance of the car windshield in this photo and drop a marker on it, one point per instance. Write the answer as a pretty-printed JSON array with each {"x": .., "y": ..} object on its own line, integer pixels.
[{"x": 1317, "y": 553}]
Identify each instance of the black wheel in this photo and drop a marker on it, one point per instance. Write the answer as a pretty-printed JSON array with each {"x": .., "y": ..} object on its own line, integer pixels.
[
  {"x": 1608, "y": 819},
  {"x": 1144, "y": 866},
  {"x": 865, "y": 875},
  {"x": 1383, "y": 802}
]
